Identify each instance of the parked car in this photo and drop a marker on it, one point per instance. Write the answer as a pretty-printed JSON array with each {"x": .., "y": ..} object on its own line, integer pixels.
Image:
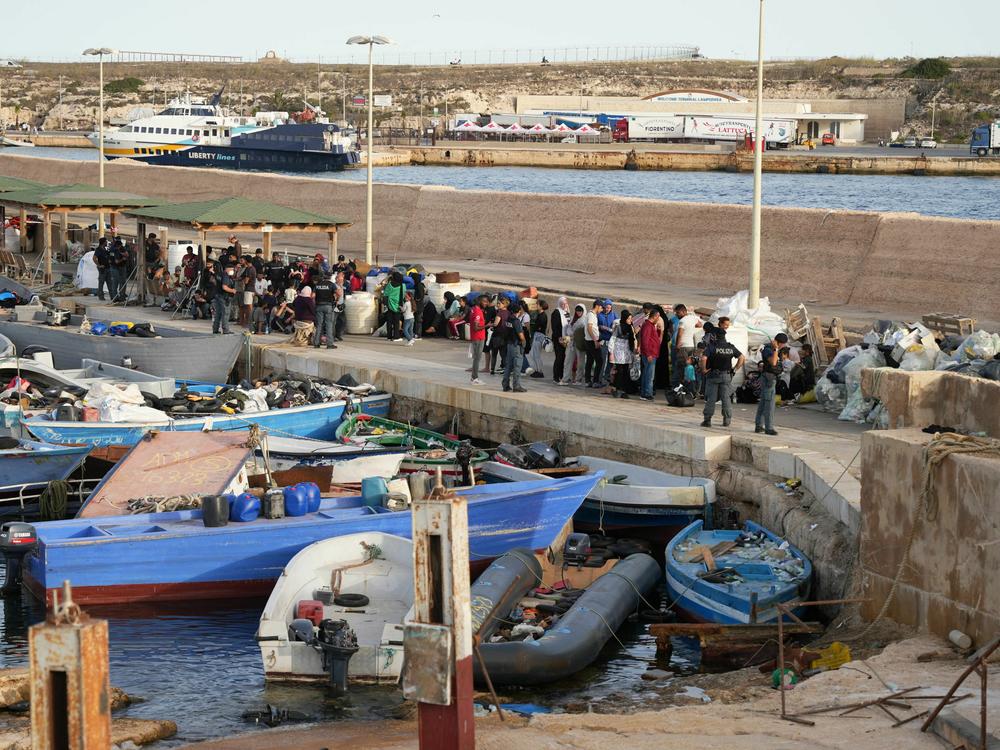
[
  {"x": 829, "y": 139},
  {"x": 928, "y": 143},
  {"x": 910, "y": 142}
]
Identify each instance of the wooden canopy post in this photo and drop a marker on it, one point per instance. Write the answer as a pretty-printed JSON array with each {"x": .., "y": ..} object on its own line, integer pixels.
[
  {"x": 47, "y": 244},
  {"x": 164, "y": 243},
  {"x": 23, "y": 239},
  {"x": 203, "y": 241},
  {"x": 140, "y": 261},
  {"x": 100, "y": 224},
  {"x": 114, "y": 223},
  {"x": 63, "y": 235},
  {"x": 332, "y": 246},
  {"x": 3, "y": 229},
  {"x": 266, "y": 239}
]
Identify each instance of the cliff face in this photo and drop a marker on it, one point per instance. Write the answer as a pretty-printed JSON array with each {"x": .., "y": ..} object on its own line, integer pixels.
[{"x": 964, "y": 97}]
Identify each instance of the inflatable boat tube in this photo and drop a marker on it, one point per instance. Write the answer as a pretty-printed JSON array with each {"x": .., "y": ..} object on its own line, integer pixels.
[
  {"x": 500, "y": 587},
  {"x": 577, "y": 638}
]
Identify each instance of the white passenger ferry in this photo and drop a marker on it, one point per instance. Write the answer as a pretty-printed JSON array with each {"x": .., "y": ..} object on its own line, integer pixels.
[{"x": 193, "y": 132}]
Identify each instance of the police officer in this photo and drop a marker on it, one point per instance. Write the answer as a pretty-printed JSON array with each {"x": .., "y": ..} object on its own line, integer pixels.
[
  {"x": 764, "y": 418},
  {"x": 105, "y": 271},
  {"x": 325, "y": 294},
  {"x": 225, "y": 285},
  {"x": 719, "y": 369}
]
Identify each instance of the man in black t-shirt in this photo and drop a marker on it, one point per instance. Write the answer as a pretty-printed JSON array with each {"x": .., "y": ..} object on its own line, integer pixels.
[
  {"x": 224, "y": 288},
  {"x": 719, "y": 368},
  {"x": 105, "y": 273}
]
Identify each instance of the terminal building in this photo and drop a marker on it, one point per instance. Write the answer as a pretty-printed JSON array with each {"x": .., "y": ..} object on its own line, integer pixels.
[{"x": 706, "y": 115}]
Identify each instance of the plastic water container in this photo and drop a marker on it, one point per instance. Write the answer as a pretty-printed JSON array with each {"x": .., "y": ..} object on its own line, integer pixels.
[
  {"x": 245, "y": 508},
  {"x": 361, "y": 312},
  {"x": 373, "y": 491},
  {"x": 420, "y": 484},
  {"x": 273, "y": 505},
  {"x": 214, "y": 510},
  {"x": 371, "y": 282},
  {"x": 311, "y": 490},
  {"x": 176, "y": 252},
  {"x": 435, "y": 291},
  {"x": 296, "y": 502}
]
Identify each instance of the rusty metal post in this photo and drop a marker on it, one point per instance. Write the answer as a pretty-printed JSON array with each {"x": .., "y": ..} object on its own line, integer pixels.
[
  {"x": 70, "y": 685},
  {"x": 438, "y": 645}
]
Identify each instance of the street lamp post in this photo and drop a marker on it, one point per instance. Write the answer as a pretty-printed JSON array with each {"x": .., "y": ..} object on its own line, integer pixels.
[
  {"x": 100, "y": 52},
  {"x": 754, "y": 296},
  {"x": 371, "y": 41}
]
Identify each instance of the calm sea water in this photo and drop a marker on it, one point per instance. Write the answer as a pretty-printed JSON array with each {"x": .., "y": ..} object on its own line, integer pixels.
[
  {"x": 200, "y": 667},
  {"x": 956, "y": 197}
]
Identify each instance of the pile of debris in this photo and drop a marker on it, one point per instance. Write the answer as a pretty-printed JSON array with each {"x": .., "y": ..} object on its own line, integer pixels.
[{"x": 904, "y": 346}]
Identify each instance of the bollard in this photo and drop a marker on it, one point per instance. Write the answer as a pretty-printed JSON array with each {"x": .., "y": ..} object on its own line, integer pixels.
[
  {"x": 438, "y": 644},
  {"x": 70, "y": 685}
]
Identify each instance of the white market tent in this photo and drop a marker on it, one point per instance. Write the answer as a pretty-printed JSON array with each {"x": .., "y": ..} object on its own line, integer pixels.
[
  {"x": 515, "y": 128},
  {"x": 469, "y": 127},
  {"x": 492, "y": 127},
  {"x": 585, "y": 128},
  {"x": 539, "y": 129}
]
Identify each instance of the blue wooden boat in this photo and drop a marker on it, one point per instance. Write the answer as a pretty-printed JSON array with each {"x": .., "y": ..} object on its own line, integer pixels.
[
  {"x": 318, "y": 421},
  {"x": 29, "y": 463},
  {"x": 174, "y": 556},
  {"x": 755, "y": 570}
]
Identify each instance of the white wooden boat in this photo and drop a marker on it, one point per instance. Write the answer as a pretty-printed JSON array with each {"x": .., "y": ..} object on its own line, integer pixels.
[
  {"x": 634, "y": 496},
  {"x": 376, "y": 565},
  {"x": 351, "y": 463}
]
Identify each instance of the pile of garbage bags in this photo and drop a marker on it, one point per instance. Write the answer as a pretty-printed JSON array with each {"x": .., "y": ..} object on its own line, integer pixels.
[
  {"x": 761, "y": 324},
  {"x": 906, "y": 346}
]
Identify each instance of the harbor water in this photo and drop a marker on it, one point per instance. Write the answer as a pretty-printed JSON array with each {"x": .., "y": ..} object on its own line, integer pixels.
[
  {"x": 953, "y": 197},
  {"x": 200, "y": 667}
]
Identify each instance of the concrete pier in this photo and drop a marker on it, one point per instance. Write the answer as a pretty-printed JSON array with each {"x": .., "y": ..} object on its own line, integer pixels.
[
  {"x": 784, "y": 162},
  {"x": 816, "y": 256}
]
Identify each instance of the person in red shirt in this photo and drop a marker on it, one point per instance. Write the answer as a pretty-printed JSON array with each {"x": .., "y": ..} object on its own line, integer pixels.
[
  {"x": 650, "y": 339},
  {"x": 477, "y": 334}
]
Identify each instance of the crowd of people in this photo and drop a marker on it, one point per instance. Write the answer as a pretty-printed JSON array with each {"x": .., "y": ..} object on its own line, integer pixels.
[{"x": 625, "y": 354}]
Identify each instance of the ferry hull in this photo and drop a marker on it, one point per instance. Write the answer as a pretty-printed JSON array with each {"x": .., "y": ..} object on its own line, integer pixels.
[{"x": 234, "y": 157}]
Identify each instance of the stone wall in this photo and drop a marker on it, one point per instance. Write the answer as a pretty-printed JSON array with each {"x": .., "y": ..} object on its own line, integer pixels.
[
  {"x": 950, "y": 580},
  {"x": 913, "y": 263}
]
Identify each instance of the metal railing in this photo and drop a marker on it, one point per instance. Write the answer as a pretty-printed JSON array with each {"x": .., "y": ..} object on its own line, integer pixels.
[{"x": 20, "y": 500}]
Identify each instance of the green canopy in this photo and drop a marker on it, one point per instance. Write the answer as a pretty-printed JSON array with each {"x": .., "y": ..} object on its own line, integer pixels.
[
  {"x": 79, "y": 196},
  {"x": 237, "y": 214},
  {"x": 16, "y": 183}
]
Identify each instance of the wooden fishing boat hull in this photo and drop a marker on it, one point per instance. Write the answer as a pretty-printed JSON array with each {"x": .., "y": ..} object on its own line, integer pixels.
[
  {"x": 33, "y": 463},
  {"x": 319, "y": 421},
  {"x": 732, "y": 604},
  {"x": 173, "y": 556},
  {"x": 174, "y": 353}
]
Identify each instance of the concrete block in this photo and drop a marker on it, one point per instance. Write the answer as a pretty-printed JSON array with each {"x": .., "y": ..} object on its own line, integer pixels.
[
  {"x": 760, "y": 453},
  {"x": 781, "y": 461}
]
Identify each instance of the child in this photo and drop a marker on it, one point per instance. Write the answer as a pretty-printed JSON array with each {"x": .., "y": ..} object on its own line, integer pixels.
[
  {"x": 699, "y": 352},
  {"x": 408, "y": 318},
  {"x": 690, "y": 377}
]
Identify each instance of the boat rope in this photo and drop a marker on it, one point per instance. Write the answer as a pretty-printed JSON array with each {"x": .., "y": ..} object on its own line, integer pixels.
[
  {"x": 160, "y": 504},
  {"x": 935, "y": 452},
  {"x": 53, "y": 500},
  {"x": 607, "y": 624},
  {"x": 634, "y": 587}
]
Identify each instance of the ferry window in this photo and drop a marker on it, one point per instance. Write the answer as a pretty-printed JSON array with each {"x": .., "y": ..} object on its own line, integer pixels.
[
  {"x": 215, "y": 131},
  {"x": 173, "y": 131}
]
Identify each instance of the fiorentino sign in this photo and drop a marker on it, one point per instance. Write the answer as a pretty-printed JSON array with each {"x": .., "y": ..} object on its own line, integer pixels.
[{"x": 665, "y": 126}]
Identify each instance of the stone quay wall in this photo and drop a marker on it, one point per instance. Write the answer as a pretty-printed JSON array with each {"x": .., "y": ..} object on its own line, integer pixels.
[{"x": 920, "y": 264}]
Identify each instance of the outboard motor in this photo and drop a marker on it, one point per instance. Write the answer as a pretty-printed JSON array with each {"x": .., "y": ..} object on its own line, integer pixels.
[
  {"x": 542, "y": 456},
  {"x": 463, "y": 454},
  {"x": 16, "y": 540},
  {"x": 512, "y": 455},
  {"x": 577, "y": 549},
  {"x": 338, "y": 643},
  {"x": 57, "y": 317}
]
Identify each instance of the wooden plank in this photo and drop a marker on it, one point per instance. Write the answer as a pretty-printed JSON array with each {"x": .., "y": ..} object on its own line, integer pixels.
[
  {"x": 711, "y": 630},
  {"x": 717, "y": 550}
]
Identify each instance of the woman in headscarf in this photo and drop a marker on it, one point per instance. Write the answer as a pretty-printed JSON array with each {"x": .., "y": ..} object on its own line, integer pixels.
[
  {"x": 562, "y": 319},
  {"x": 448, "y": 310},
  {"x": 622, "y": 355},
  {"x": 576, "y": 353}
]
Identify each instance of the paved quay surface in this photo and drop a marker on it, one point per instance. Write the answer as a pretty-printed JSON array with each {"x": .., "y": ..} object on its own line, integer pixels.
[{"x": 811, "y": 444}]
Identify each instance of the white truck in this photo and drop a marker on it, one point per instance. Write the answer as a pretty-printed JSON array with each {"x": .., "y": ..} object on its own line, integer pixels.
[{"x": 777, "y": 133}]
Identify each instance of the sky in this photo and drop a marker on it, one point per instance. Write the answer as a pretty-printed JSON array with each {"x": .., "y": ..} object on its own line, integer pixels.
[{"x": 310, "y": 29}]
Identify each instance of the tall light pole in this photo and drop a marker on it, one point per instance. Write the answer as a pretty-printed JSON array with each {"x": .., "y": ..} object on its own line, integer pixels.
[
  {"x": 100, "y": 52},
  {"x": 371, "y": 41},
  {"x": 754, "y": 297}
]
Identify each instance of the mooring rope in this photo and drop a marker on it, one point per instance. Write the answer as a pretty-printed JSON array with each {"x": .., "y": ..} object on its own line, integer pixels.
[{"x": 53, "y": 500}]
